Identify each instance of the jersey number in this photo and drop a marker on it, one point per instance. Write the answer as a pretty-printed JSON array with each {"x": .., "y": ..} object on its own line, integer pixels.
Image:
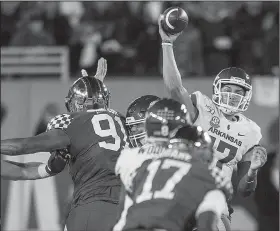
[
  {"x": 167, "y": 191},
  {"x": 222, "y": 147},
  {"x": 111, "y": 131}
]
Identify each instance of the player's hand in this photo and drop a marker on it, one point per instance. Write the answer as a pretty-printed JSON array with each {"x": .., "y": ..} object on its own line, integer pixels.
[
  {"x": 165, "y": 37},
  {"x": 101, "y": 69},
  {"x": 259, "y": 157},
  {"x": 58, "y": 161},
  {"x": 84, "y": 73}
]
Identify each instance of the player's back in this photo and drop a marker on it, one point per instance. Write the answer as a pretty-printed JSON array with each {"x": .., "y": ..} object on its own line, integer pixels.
[
  {"x": 166, "y": 192},
  {"x": 97, "y": 137}
]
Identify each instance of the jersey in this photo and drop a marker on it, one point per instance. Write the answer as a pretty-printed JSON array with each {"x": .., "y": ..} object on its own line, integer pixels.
[
  {"x": 164, "y": 188},
  {"x": 97, "y": 137},
  {"x": 231, "y": 140}
]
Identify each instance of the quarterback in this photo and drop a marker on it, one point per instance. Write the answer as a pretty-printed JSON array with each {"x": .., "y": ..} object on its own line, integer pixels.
[{"x": 235, "y": 138}]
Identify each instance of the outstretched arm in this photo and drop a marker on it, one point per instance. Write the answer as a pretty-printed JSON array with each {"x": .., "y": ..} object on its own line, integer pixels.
[
  {"x": 101, "y": 70},
  {"x": 11, "y": 170},
  {"x": 45, "y": 142},
  {"x": 171, "y": 75}
]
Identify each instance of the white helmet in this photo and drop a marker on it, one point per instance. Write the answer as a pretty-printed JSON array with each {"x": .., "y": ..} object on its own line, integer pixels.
[{"x": 234, "y": 76}]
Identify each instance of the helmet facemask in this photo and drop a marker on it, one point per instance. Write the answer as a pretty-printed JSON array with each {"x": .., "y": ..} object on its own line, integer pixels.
[
  {"x": 135, "y": 119},
  {"x": 136, "y": 131},
  {"x": 85, "y": 94},
  {"x": 75, "y": 103},
  {"x": 228, "y": 102}
]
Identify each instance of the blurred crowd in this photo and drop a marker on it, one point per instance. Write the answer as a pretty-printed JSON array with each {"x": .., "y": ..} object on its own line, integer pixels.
[{"x": 219, "y": 34}]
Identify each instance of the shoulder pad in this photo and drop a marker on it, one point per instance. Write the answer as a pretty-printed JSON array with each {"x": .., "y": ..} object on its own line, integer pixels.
[
  {"x": 61, "y": 121},
  {"x": 96, "y": 110},
  {"x": 200, "y": 100},
  {"x": 255, "y": 130},
  {"x": 115, "y": 112},
  {"x": 106, "y": 110}
]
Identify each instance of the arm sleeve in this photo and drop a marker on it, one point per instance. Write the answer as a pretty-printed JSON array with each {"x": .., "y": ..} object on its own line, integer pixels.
[{"x": 214, "y": 201}]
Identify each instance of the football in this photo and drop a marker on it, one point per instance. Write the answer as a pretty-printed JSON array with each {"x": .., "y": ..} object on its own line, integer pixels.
[{"x": 175, "y": 20}]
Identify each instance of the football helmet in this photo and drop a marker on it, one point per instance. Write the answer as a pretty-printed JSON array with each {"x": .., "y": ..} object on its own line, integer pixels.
[
  {"x": 87, "y": 93},
  {"x": 164, "y": 116},
  {"x": 193, "y": 140},
  {"x": 234, "y": 76},
  {"x": 135, "y": 119}
]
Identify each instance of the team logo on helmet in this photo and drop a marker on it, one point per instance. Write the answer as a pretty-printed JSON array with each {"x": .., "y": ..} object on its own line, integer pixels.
[
  {"x": 166, "y": 114},
  {"x": 215, "y": 122},
  {"x": 141, "y": 114},
  {"x": 238, "y": 80}
]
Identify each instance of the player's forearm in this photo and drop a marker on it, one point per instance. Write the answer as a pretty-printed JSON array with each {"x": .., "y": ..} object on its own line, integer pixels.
[
  {"x": 11, "y": 170},
  {"x": 173, "y": 82},
  {"x": 171, "y": 74},
  {"x": 248, "y": 183},
  {"x": 33, "y": 171},
  {"x": 44, "y": 142},
  {"x": 21, "y": 146},
  {"x": 12, "y": 147}
]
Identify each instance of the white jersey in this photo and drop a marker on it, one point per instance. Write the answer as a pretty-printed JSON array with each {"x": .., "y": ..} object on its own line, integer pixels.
[
  {"x": 231, "y": 140},
  {"x": 130, "y": 160}
]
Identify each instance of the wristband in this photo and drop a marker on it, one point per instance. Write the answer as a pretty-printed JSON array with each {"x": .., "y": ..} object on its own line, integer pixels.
[
  {"x": 42, "y": 171},
  {"x": 167, "y": 43}
]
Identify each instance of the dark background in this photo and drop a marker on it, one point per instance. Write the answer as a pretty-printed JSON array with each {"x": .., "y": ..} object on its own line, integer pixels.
[{"x": 220, "y": 34}]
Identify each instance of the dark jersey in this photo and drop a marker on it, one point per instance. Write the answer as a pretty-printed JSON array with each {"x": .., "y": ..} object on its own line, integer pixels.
[
  {"x": 164, "y": 189},
  {"x": 97, "y": 137}
]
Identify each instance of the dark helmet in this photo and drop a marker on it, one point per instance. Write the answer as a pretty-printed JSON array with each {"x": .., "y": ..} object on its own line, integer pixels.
[
  {"x": 135, "y": 118},
  {"x": 87, "y": 93},
  {"x": 164, "y": 116},
  {"x": 195, "y": 141},
  {"x": 235, "y": 76}
]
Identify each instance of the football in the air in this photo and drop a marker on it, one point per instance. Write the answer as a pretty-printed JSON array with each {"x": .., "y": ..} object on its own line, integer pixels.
[{"x": 175, "y": 20}]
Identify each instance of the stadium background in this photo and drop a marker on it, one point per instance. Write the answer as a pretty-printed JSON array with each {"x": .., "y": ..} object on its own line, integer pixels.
[{"x": 220, "y": 34}]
